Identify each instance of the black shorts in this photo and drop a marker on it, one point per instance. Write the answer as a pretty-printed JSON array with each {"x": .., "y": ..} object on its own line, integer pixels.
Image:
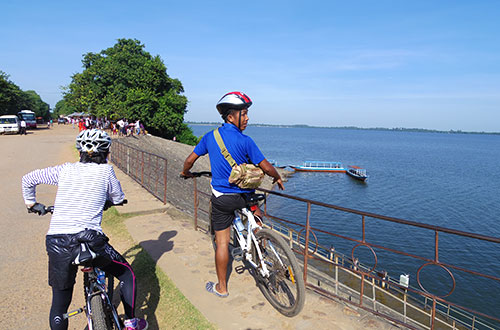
[
  {"x": 223, "y": 208},
  {"x": 62, "y": 250}
]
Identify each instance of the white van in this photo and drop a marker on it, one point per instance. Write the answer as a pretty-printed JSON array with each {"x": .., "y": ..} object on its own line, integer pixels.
[{"x": 9, "y": 124}]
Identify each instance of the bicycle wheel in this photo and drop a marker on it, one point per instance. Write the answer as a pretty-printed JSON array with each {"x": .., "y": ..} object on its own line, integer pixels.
[
  {"x": 284, "y": 288},
  {"x": 100, "y": 321}
]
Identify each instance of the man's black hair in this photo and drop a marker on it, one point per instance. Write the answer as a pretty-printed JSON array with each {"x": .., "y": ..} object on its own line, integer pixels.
[
  {"x": 229, "y": 112},
  {"x": 95, "y": 157}
]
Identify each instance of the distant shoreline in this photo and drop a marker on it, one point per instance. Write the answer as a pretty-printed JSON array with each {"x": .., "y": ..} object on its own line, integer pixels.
[{"x": 396, "y": 129}]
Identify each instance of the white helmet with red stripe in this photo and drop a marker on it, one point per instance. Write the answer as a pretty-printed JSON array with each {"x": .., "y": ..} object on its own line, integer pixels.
[{"x": 233, "y": 101}]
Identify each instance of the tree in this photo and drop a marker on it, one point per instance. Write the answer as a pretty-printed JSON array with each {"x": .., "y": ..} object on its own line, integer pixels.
[
  {"x": 31, "y": 100},
  {"x": 13, "y": 99},
  {"x": 10, "y": 95},
  {"x": 62, "y": 108},
  {"x": 125, "y": 81}
]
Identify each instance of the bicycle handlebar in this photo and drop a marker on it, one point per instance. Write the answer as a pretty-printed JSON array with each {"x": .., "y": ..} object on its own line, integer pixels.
[
  {"x": 197, "y": 174},
  {"x": 41, "y": 209},
  {"x": 108, "y": 204}
]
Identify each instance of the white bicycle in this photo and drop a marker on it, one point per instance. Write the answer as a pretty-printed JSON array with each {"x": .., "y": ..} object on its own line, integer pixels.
[{"x": 272, "y": 261}]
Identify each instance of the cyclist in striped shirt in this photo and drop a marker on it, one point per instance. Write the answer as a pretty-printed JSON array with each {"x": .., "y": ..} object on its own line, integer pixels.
[{"x": 84, "y": 189}]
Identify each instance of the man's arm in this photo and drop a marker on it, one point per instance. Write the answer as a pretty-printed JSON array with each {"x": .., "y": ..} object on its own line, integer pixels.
[
  {"x": 271, "y": 171},
  {"x": 188, "y": 164}
]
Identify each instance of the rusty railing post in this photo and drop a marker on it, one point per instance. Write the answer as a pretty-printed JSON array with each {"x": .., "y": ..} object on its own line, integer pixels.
[
  {"x": 157, "y": 174},
  {"x": 142, "y": 168},
  {"x": 362, "y": 290},
  {"x": 363, "y": 229},
  {"x": 306, "y": 247},
  {"x": 433, "y": 315},
  {"x": 165, "y": 184},
  {"x": 195, "y": 204},
  {"x": 436, "y": 251},
  {"x": 128, "y": 161}
]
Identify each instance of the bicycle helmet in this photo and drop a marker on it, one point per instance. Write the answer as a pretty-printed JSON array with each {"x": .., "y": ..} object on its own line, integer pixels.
[
  {"x": 233, "y": 101},
  {"x": 93, "y": 140}
]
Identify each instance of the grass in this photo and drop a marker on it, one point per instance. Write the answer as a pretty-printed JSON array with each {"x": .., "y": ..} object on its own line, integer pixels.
[{"x": 158, "y": 299}]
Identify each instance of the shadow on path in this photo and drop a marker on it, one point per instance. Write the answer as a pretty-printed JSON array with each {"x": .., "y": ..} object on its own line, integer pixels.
[{"x": 146, "y": 255}]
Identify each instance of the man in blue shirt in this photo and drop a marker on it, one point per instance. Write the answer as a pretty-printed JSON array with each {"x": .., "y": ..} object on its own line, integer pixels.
[{"x": 228, "y": 197}]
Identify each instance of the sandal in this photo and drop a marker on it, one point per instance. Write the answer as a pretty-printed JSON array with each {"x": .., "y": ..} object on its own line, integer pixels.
[{"x": 211, "y": 288}]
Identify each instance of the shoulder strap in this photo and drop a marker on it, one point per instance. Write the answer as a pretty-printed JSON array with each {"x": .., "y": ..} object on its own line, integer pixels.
[{"x": 223, "y": 149}]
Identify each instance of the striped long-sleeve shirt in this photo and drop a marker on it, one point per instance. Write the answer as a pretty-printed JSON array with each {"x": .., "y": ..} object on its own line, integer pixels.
[{"x": 82, "y": 191}]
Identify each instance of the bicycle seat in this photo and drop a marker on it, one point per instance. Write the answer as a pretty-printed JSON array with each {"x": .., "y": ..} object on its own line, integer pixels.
[
  {"x": 253, "y": 199},
  {"x": 85, "y": 255}
]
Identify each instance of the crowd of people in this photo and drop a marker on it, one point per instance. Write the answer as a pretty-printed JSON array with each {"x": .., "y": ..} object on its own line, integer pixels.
[
  {"x": 125, "y": 128},
  {"x": 122, "y": 127}
]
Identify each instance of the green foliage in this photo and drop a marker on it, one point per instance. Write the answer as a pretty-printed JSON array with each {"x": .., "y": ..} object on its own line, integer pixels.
[
  {"x": 125, "y": 81},
  {"x": 33, "y": 101},
  {"x": 13, "y": 99},
  {"x": 62, "y": 108},
  {"x": 10, "y": 95},
  {"x": 186, "y": 136}
]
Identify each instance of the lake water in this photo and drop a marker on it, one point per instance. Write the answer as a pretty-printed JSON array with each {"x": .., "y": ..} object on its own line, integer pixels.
[{"x": 447, "y": 180}]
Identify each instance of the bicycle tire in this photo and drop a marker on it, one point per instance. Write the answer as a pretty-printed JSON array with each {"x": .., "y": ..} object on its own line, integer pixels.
[
  {"x": 100, "y": 320},
  {"x": 284, "y": 288},
  {"x": 86, "y": 283}
]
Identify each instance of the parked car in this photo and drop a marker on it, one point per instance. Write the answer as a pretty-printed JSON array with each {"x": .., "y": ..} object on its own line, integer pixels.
[{"x": 9, "y": 124}]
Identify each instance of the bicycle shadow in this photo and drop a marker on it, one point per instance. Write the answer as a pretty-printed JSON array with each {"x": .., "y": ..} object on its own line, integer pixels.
[{"x": 145, "y": 255}]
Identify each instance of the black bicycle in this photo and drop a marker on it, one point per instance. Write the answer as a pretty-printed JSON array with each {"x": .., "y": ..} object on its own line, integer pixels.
[{"x": 97, "y": 285}]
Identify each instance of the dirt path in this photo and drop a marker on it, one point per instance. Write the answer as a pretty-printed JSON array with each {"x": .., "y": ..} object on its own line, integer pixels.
[{"x": 25, "y": 296}]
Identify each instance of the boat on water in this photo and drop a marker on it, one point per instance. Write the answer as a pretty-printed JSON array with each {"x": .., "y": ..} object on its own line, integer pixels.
[
  {"x": 275, "y": 163},
  {"x": 357, "y": 172},
  {"x": 319, "y": 166}
]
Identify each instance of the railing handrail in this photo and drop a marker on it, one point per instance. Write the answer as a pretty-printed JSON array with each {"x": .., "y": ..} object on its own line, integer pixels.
[{"x": 386, "y": 218}]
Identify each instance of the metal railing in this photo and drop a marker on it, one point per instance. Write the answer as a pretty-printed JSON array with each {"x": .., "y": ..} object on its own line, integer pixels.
[
  {"x": 326, "y": 270},
  {"x": 370, "y": 273},
  {"x": 147, "y": 169},
  {"x": 334, "y": 274}
]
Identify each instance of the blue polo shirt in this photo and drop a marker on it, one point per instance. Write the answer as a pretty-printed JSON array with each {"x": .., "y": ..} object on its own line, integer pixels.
[{"x": 241, "y": 147}]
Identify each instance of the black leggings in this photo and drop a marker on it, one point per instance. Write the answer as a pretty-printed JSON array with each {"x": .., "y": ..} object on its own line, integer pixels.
[{"x": 61, "y": 299}]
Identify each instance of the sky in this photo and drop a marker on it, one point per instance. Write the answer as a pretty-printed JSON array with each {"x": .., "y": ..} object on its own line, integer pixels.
[{"x": 411, "y": 64}]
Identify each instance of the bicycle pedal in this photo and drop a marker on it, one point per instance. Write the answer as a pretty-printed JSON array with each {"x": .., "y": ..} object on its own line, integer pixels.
[
  {"x": 237, "y": 254},
  {"x": 73, "y": 313},
  {"x": 240, "y": 269}
]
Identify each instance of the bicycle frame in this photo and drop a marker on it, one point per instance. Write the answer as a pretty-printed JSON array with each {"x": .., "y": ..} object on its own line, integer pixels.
[
  {"x": 246, "y": 243},
  {"x": 95, "y": 288}
]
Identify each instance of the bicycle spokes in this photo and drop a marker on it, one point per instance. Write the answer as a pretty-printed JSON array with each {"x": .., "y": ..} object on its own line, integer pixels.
[{"x": 280, "y": 278}]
